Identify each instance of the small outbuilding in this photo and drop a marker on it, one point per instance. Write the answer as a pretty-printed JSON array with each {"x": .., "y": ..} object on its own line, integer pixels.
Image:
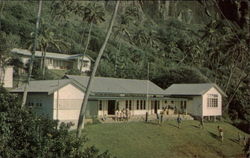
[{"x": 203, "y": 99}]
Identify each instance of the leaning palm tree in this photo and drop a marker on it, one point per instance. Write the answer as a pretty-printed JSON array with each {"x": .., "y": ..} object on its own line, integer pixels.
[
  {"x": 85, "y": 99},
  {"x": 92, "y": 14},
  {"x": 32, "y": 54}
]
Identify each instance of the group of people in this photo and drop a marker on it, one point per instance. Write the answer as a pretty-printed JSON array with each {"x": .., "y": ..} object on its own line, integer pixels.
[{"x": 121, "y": 115}]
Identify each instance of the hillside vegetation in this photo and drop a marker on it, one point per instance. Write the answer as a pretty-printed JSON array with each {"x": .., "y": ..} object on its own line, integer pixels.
[
  {"x": 165, "y": 41},
  {"x": 149, "y": 140}
]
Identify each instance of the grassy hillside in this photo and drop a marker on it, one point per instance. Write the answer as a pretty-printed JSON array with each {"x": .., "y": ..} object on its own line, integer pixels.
[{"x": 134, "y": 140}]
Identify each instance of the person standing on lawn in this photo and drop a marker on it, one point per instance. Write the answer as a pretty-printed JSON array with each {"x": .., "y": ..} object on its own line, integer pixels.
[
  {"x": 221, "y": 134},
  {"x": 179, "y": 121},
  {"x": 201, "y": 122},
  {"x": 117, "y": 114}
]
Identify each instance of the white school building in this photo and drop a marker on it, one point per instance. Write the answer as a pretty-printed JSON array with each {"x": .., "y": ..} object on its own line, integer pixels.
[
  {"x": 61, "y": 99},
  {"x": 56, "y": 61}
]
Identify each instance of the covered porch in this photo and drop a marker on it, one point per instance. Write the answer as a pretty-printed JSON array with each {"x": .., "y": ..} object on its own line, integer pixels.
[{"x": 139, "y": 106}]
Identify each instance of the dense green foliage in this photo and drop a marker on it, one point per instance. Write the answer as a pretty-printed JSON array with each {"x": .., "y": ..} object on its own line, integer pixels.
[
  {"x": 150, "y": 140},
  {"x": 24, "y": 134},
  {"x": 176, "y": 41}
]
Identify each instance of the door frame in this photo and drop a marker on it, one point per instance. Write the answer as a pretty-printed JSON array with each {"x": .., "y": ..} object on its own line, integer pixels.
[{"x": 111, "y": 107}]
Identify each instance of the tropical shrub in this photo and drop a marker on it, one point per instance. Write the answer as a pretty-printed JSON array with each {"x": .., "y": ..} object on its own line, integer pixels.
[{"x": 24, "y": 134}]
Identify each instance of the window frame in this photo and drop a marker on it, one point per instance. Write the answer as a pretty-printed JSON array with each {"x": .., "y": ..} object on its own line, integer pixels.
[
  {"x": 100, "y": 105},
  {"x": 212, "y": 100}
]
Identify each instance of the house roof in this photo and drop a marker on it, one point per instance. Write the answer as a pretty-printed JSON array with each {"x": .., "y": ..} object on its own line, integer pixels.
[
  {"x": 46, "y": 86},
  {"x": 118, "y": 85},
  {"x": 191, "y": 89},
  {"x": 26, "y": 52}
]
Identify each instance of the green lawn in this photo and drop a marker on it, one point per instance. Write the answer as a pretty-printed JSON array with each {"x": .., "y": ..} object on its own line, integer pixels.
[{"x": 148, "y": 140}]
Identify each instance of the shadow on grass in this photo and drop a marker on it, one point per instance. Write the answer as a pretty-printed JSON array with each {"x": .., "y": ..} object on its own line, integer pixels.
[
  {"x": 213, "y": 135},
  {"x": 152, "y": 123},
  {"x": 173, "y": 125},
  {"x": 234, "y": 140},
  {"x": 196, "y": 126}
]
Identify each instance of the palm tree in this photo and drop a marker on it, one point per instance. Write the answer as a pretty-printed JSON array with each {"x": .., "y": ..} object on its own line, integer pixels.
[
  {"x": 92, "y": 13},
  {"x": 33, "y": 54},
  {"x": 120, "y": 31},
  {"x": 85, "y": 99},
  {"x": 46, "y": 39},
  {"x": 2, "y": 3}
]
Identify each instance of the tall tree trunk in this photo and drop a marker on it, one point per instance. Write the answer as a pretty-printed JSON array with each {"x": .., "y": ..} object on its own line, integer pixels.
[
  {"x": 2, "y": 72},
  {"x": 86, "y": 47},
  {"x": 230, "y": 77},
  {"x": 85, "y": 99},
  {"x": 117, "y": 53},
  {"x": 32, "y": 55},
  {"x": 1, "y": 12},
  {"x": 166, "y": 10},
  {"x": 173, "y": 8},
  {"x": 44, "y": 62},
  {"x": 119, "y": 49}
]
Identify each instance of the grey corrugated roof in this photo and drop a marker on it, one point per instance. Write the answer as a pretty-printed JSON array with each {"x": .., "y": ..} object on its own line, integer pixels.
[
  {"x": 118, "y": 85},
  {"x": 48, "y": 54},
  {"x": 191, "y": 89},
  {"x": 45, "y": 86}
]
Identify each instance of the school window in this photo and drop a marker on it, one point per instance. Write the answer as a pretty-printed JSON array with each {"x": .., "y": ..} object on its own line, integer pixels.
[
  {"x": 55, "y": 63},
  {"x": 50, "y": 61},
  {"x": 141, "y": 104},
  {"x": 152, "y": 104},
  {"x": 130, "y": 105},
  {"x": 85, "y": 63},
  {"x": 126, "y": 104},
  {"x": 158, "y": 104},
  {"x": 144, "y": 104},
  {"x": 212, "y": 100},
  {"x": 117, "y": 105},
  {"x": 172, "y": 101},
  {"x": 137, "y": 105},
  {"x": 38, "y": 104},
  {"x": 100, "y": 105},
  {"x": 29, "y": 104}
]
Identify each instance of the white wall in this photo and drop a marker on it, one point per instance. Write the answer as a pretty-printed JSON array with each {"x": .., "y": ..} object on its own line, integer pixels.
[
  {"x": 212, "y": 111},
  {"x": 194, "y": 106},
  {"x": 6, "y": 77},
  {"x": 67, "y": 103}
]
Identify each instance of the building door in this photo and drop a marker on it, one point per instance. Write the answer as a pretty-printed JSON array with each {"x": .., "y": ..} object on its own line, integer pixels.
[
  {"x": 155, "y": 106},
  {"x": 111, "y": 107}
]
